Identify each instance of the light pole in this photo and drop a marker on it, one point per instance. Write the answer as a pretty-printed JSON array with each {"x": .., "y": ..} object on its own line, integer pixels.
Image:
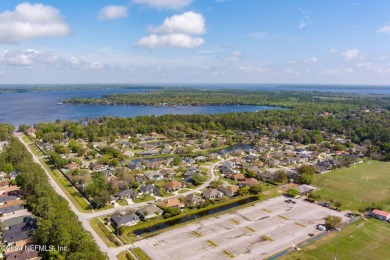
[{"x": 337, "y": 243}]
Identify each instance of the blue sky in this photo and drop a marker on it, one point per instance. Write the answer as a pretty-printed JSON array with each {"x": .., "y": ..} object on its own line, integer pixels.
[{"x": 195, "y": 41}]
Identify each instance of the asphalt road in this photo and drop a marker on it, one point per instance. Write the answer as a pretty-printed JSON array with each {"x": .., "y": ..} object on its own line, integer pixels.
[{"x": 84, "y": 217}]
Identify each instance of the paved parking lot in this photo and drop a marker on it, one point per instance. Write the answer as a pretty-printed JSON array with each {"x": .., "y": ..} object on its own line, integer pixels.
[{"x": 255, "y": 232}]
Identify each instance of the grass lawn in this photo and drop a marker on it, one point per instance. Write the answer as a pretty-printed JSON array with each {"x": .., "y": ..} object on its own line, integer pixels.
[
  {"x": 183, "y": 191},
  {"x": 140, "y": 254},
  {"x": 147, "y": 198},
  {"x": 77, "y": 199},
  {"x": 102, "y": 234},
  {"x": 356, "y": 187},
  {"x": 360, "y": 240},
  {"x": 125, "y": 255},
  {"x": 122, "y": 202}
]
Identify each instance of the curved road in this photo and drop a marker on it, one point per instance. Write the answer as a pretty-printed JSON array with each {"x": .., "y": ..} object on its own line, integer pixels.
[{"x": 84, "y": 217}]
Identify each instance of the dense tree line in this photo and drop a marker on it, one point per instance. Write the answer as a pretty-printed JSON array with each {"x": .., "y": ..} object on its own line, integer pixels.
[
  {"x": 198, "y": 97},
  {"x": 361, "y": 118},
  {"x": 56, "y": 223}
]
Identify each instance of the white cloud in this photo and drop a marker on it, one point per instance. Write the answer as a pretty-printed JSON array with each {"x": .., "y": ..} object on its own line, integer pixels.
[
  {"x": 291, "y": 71},
  {"x": 30, "y": 21},
  {"x": 311, "y": 60},
  {"x": 164, "y": 4},
  {"x": 384, "y": 29},
  {"x": 302, "y": 24},
  {"x": 333, "y": 50},
  {"x": 332, "y": 72},
  {"x": 257, "y": 69},
  {"x": 176, "y": 40},
  {"x": 234, "y": 56},
  {"x": 34, "y": 58},
  {"x": 352, "y": 54},
  {"x": 176, "y": 31},
  {"x": 349, "y": 71},
  {"x": 188, "y": 23},
  {"x": 112, "y": 12}
]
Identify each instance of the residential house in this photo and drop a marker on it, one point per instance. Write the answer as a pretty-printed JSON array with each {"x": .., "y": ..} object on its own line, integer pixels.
[
  {"x": 168, "y": 172},
  {"x": 147, "y": 153},
  {"x": 5, "y": 199},
  {"x": 71, "y": 166},
  {"x": 236, "y": 177},
  {"x": 248, "y": 182},
  {"x": 193, "y": 200},
  {"x": 172, "y": 203},
  {"x": 17, "y": 237},
  {"x": 124, "y": 220},
  {"x": 381, "y": 215},
  {"x": 127, "y": 194},
  {"x": 97, "y": 166},
  {"x": 150, "y": 211},
  {"x": 304, "y": 188},
  {"x": 229, "y": 191},
  {"x": 4, "y": 184},
  {"x": 31, "y": 132},
  {"x": 211, "y": 193},
  {"x": 16, "y": 202},
  {"x": 13, "y": 174},
  {"x": 213, "y": 156},
  {"x": 148, "y": 189},
  {"x": 16, "y": 220},
  {"x": 173, "y": 185},
  {"x": 135, "y": 165},
  {"x": 3, "y": 176},
  {"x": 155, "y": 176},
  {"x": 22, "y": 255},
  {"x": 273, "y": 162}
]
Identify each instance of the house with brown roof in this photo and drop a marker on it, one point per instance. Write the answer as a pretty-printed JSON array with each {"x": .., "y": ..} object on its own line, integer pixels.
[
  {"x": 172, "y": 203},
  {"x": 211, "y": 193},
  {"x": 173, "y": 185},
  {"x": 248, "y": 182},
  {"x": 4, "y": 184},
  {"x": 229, "y": 191},
  {"x": 71, "y": 166},
  {"x": 236, "y": 177},
  {"x": 193, "y": 200}
]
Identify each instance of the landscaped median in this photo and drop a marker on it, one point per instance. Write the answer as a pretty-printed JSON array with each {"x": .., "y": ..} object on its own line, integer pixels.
[
  {"x": 140, "y": 254},
  {"x": 108, "y": 238}
]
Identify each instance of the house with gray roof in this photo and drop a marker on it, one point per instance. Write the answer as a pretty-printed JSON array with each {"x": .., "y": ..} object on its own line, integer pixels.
[
  {"x": 149, "y": 211},
  {"x": 156, "y": 176},
  {"x": 125, "y": 220},
  {"x": 10, "y": 210},
  {"x": 148, "y": 189},
  {"x": 16, "y": 237},
  {"x": 126, "y": 194},
  {"x": 4, "y": 200}
]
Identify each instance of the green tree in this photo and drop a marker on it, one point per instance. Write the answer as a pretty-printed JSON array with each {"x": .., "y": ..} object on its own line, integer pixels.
[
  {"x": 244, "y": 190},
  {"x": 292, "y": 193},
  {"x": 305, "y": 178},
  {"x": 255, "y": 189},
  {"x": 333, "y": 221}
]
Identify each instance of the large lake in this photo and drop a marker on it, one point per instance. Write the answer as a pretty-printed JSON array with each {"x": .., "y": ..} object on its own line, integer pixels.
[{"x": 34, "y": 107}]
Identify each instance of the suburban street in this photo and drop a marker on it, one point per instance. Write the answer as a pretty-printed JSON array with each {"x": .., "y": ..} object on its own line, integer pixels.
[{"x": 85, "y": 217}]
